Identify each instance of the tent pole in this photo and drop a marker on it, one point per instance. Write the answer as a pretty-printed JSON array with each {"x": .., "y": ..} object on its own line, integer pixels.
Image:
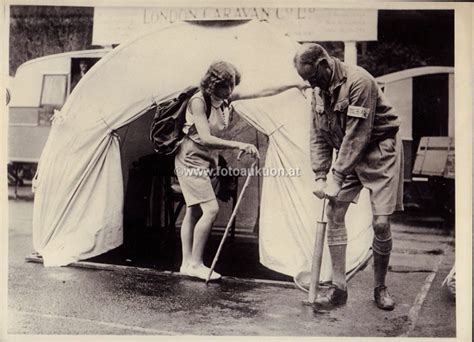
[
  {"x": 256, "y": 227},
  {"x": 229, "y": 224}
]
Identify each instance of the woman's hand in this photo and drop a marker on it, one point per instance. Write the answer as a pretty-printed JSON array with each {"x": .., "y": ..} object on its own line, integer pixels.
[
  {"x": 248, "y": 149},
  {"x": 302, "y": 86}
]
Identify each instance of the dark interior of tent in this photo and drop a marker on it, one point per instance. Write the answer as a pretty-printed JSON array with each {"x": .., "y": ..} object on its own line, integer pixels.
[{"x": 154, "y": 207}]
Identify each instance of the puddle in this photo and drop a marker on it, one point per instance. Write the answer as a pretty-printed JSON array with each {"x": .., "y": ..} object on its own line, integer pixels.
[{"x": 175, "y": 294}]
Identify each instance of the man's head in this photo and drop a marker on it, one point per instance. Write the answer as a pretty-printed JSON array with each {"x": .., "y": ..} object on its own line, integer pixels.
[
  {"x": 83, "y": 66},
  {"x": 314, "y": 65}
]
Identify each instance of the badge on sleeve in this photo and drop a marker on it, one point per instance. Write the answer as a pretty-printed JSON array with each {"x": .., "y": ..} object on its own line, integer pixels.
[{"x": 358, "y": 112}]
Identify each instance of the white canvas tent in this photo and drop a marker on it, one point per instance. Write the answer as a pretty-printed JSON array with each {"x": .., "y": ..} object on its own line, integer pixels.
[{"x": 79, "y": 189}]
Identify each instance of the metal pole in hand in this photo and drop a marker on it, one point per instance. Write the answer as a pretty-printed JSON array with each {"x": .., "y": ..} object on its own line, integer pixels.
[
  {"x": 229, "y": 224},
  {"x": 317, "y": 257}
]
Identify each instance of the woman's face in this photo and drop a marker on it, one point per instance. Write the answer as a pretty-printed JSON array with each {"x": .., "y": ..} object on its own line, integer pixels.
[{"x": 223, "y": 90}]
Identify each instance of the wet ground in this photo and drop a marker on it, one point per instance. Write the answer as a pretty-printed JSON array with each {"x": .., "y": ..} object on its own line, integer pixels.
[
  {"x": 130, "y": 301},
  {"x": 239, "y": 258}
]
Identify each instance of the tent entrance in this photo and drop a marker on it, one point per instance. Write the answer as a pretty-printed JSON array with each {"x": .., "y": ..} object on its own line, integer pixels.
[
  {"x": 153, "y": 210},
  {"x": 135, "y": 148}
]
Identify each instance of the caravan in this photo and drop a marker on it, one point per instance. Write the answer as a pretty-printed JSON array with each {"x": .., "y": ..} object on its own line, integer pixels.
[
  {"x": 40, "y": 87},
  {"x": 424, "y": 100}
]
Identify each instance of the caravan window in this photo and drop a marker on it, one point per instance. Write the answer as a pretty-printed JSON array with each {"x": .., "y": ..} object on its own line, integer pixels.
[
  {"x": 54, "y": 90},
  {"x": 79, "y": 67},
  {"x": 53, "y": 95}
]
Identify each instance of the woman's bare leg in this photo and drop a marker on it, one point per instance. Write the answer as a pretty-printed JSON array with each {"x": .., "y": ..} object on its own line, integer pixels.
[
  {"x": 202, "y": 230},
  {"x": 187, "y": 232}
]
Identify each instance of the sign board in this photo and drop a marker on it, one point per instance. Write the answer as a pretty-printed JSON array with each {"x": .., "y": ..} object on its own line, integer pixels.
[{"x": 112, "y": 25}]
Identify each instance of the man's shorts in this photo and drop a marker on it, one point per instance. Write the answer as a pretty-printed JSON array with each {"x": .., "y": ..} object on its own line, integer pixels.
[{"x": 380, "y": 171}]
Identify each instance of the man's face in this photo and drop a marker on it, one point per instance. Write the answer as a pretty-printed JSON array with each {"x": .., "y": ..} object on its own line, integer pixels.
[
  {"x": 83, "y": 66},
  {"x": 317, "y": 75}
]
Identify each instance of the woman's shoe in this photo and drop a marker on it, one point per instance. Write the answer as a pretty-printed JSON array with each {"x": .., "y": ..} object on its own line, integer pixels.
[
  {"x": 184, "y": 269},
  {"x": 202, "y": 272}
]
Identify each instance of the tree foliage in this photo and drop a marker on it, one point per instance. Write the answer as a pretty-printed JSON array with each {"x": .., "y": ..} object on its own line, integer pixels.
[
  {"x": 387, "y": 57},
  {"x": 37, "y": 31}
]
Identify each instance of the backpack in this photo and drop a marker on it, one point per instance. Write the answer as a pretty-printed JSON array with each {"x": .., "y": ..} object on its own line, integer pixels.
[{"x": 166, "y": 131}]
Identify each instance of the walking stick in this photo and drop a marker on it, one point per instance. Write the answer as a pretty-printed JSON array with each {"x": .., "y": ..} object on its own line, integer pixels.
[
  {"x": 317, "y": 257},
  {"x": 229, "y": 224}
]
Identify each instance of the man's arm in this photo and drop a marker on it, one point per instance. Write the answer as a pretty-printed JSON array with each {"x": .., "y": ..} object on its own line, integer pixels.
[
  {"x": 359, "y": 122},
  {"x": 321, "y": 152}
]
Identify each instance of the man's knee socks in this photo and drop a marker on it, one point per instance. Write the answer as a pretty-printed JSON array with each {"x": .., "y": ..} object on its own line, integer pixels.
[
  {"x": 382, "y": 247},
  {"x": 337, "y": 233}
]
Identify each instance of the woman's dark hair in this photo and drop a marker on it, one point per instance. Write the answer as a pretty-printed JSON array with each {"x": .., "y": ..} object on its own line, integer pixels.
[{"x": 219, "y": 72}]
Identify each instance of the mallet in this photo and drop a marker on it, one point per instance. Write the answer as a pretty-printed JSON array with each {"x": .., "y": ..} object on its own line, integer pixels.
[{"x": 229, "y": 224}]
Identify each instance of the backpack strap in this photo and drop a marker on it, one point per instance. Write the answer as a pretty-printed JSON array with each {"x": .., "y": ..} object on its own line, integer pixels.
[{"x": 207, "y": 100}]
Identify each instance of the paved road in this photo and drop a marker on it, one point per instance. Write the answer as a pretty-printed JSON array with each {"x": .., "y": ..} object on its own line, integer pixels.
[{"x": 70, "y": 300}]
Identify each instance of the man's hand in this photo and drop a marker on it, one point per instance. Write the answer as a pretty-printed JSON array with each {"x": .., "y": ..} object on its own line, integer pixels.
[
  {"x": 332, "y": 190},
  {"x": 318, "y": 190}
]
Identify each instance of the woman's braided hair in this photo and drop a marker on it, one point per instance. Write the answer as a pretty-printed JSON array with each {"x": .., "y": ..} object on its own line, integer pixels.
[{"x": 219, "y": 72}]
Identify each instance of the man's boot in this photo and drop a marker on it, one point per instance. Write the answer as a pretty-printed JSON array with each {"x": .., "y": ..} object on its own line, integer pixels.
[
  {"x": 334, "y": 297},
  {"x": 382, "y": 298},
  {"x": 337, "y": 293},
  {"x": 382, "y": 247},
  {"x": 337, "y": 243}
]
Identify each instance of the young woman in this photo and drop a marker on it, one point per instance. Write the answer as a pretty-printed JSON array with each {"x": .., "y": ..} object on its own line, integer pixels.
[{"x": 198, "y": 154}]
